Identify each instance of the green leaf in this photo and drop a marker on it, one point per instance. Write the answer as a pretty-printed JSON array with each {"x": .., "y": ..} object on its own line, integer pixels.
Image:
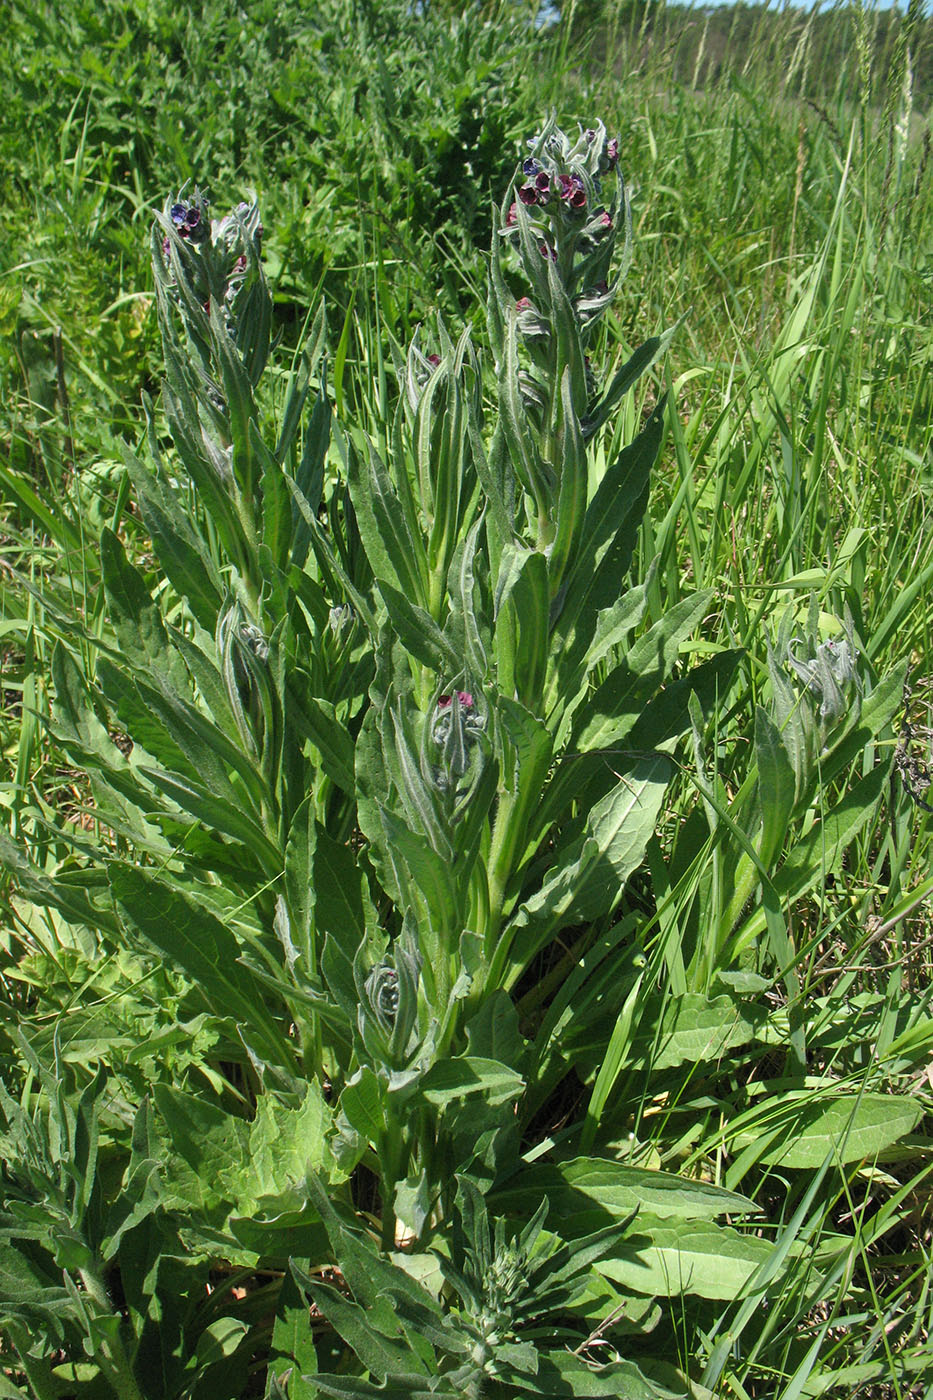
[
  {"x": 137, "y": 619},
  {"x": 316, "y": 721},
  {"x": 583, "y": 1185},
  {"x": 379, "y": 1354},
  {"x": 799, "y": 1130},
  {"x": 32, "y": 884},
  {"x": 470, "y": 1074},
  {"x": 610, "y": 530},
  {"x": 820, "y": 850},
  {"x": 395, "y": 556},
  {"x": 674, "y": 1030},
  {"x": 674, "y": 1257},
  {"x": 363, "y": 1101},
  {"x": 610, "y": 713},
  {"x": 219, "y": 1340},
  {"x": 204, "y": 947},
  {"x": 223, "y": 816},
  {"x": 588, "y": 876},
  {"x": 642, "y": 360},
  {"x": 560, "y": 1373},
  {"x": 776, "y": 787},
  {"x": 292, "y": 1337}
]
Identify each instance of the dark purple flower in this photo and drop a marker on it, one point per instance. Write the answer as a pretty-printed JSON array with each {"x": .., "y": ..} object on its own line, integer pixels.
[
  {"x": 178, "y": 213},
  {"x": 543, "y": 182},
  {"x": 444, "y": 702},
  {"x": 566, "y": 186},
  {"x": 166, "y": 246},
  {"x": 530, "y": 166},
  {"x": 528, "y": 194},
  {"x": 192, "y": 219},
  {"x": 577, "y": 199},
  {"x": 589, "y": 136},
  {"x": 434, "y": 360},
  {"x": 547, "y": 251},
  {"x": 511, "y": 217}
]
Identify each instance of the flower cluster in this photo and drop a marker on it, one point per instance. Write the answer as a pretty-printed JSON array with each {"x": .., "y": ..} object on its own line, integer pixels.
[
  {"x": 458, "y": 733},
  {"x": 189, "y": 219},
  {"x": 563, "y": 182}
]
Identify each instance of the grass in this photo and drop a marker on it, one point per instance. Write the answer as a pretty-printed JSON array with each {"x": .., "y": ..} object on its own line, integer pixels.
[{"x": 783, "y": 216}]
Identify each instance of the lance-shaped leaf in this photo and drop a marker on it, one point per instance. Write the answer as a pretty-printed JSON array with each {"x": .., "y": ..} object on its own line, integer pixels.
[
  {"x": 640, "y": 361},
  {"x": 588, "y": 875},
  {"x": 395, "y": 554},
  {"x": 181, "y": 551},
  {"x": 610, "y": 530},
  {"x": 611, "y": 711},
  {"x": 207, "y": 950}
]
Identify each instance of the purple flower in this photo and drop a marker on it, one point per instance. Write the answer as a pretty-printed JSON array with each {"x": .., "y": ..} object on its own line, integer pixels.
[
  {"x": 531, "y": 166},
  {"x": 543, "y": 182},
  {"x": 511, "y": 217},
  {"x": 528, "y": 194},
  {"x": 178, "y": 213},
  {"x": 444, "y": 702},
  {"x": 612, "y": 152}
]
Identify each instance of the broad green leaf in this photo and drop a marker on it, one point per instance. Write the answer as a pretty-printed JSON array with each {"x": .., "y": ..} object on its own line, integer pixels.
[
  {"x": 470, "y": 1074},
  {"x": 292, "y": 1338},
  {"x": 560, "y": 1373},
  {"x": 819, "y": 851},
  {"x": 674, "y": 1257},
  {"x": 181, "y": 551},
  {"x": 608, "y": 716},
  {"x": 379, "y": 1354},
  {"x": 220, "y": 1339},
  {"x": 363, "y": 1101},
  {"x": 800, "y": 1130},
  {"x": 222, "y": 815},
  {"x": 610, "y": 530},
  {"x": 585, "y": 1184},
  {"x": 32, "y": 884},
  {"x": 592, "y": 872},
  {"x": 675, "y": 1030}
]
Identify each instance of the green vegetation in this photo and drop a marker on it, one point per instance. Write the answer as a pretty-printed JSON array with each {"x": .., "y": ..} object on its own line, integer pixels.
[{"x": 466, "y": 702}]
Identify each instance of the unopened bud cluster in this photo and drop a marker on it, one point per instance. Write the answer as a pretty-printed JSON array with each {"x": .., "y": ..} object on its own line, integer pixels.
[
  {"x": 221, "y": 250},
  {"x": 565, "y": 198}
]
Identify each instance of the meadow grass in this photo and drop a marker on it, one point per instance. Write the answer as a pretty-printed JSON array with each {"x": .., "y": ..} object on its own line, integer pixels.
[{"x": 783, "y": 220}]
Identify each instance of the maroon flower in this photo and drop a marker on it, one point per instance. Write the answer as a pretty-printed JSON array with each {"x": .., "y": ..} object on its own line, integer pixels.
[
  {"x": 466, "y": 700},
  {"x": 528, "y": 194}
]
